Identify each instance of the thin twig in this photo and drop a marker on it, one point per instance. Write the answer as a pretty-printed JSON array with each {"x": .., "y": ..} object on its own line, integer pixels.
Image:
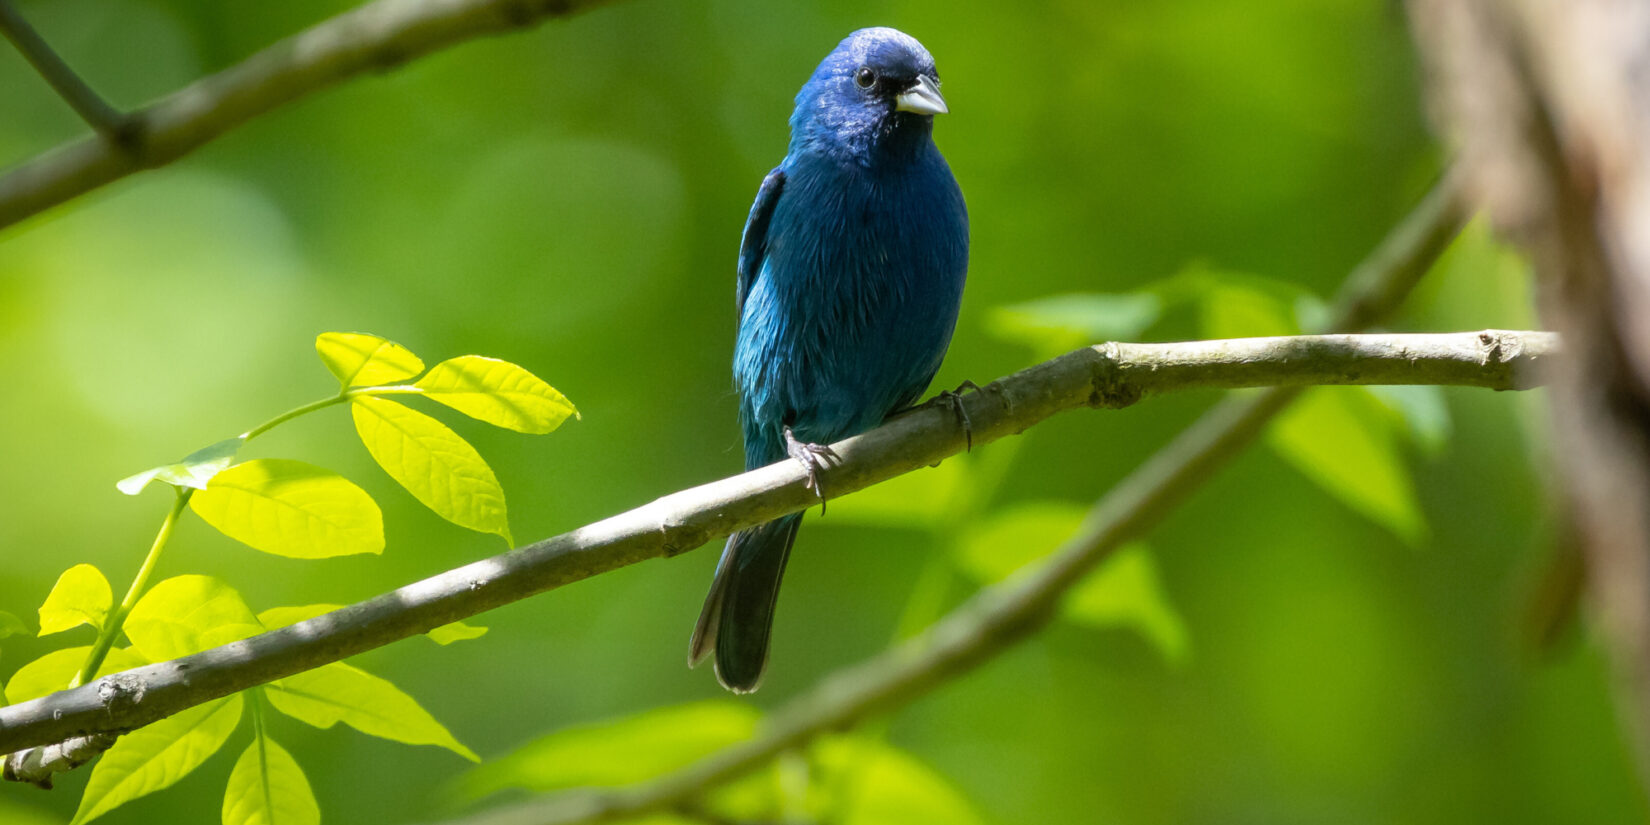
[
  {"x": 106, "y": 120},
  {"x": 1100, "y": 376},
  {"x": 1001, "y": 615},
  {"x": 375, "y": 37}
]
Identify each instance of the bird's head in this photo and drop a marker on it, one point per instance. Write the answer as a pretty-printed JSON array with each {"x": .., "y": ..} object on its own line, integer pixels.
[{"x": 878, "y": 86}]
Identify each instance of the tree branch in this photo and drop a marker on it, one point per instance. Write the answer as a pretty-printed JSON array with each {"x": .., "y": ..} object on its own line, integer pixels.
[
  {"x": 378, "y": 36},
  {"x": 97, "y": 113},
  {"x": 1105, "y": 376},
  {"x": 1003, "y": 614}
]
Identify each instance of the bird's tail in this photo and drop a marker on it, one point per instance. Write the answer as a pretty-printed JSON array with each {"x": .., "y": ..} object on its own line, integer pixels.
[{"x": 738, "y": 613}]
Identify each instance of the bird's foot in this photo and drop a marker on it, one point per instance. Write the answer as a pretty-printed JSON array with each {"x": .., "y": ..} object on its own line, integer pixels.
[
  {"x": 954, "y": 400},
  {"x": 813, "y": 458}
]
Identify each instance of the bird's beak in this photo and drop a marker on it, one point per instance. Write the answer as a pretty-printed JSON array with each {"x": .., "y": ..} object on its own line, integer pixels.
[{"x": 923, "y": 98}]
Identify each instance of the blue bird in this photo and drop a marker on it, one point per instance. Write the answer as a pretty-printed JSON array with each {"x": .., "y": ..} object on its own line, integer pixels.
[{"x": 850, "y": 275}]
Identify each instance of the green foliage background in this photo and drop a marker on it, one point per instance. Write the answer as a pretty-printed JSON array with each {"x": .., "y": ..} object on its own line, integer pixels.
[{"x": 571, "y": 199}]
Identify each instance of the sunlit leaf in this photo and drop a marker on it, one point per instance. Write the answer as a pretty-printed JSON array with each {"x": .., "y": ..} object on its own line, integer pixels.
[
  {"x": 440, "y": 469},
  {"x": 154, "y": 757},
  {"x": 339, "y": 693},
  {"x": 81, "y": 596},
  {"x": 1060, "y": 323},
  {"x": 921, "y": 500},
  {"x": 55, "y": 670},
  {"x": 194, "y": 471},
  {"x": 497, "y": 392},
  {"x": 361, "y": 360},
  {"x": 268, "y": 788},
  {"x": 188, "y": 614},
  {"x": 616, "y": 752},
  {"x": 1340, "y": 439},
  {"x": 456, "y": 632},
  {"x": 1123, "y": 592},
  {"x": 291, "y": 509}
]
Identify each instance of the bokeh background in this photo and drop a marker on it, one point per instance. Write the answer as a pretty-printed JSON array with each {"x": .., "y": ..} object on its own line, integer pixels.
[{"x": 1321, "y": 640}]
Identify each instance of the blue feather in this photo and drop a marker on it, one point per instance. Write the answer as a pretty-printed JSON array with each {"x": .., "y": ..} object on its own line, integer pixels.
[{"x": 850, "y": 276}]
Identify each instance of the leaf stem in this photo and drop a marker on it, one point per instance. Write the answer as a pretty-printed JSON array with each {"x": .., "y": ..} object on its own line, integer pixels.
[
  {"x": 294, "y": 413},
  {"x": 341, "y": 397},
  {"x": 140, "y": 583}
]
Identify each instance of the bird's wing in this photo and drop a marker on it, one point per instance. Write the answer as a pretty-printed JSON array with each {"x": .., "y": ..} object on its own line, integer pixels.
[{"x": 753, "y": 247}]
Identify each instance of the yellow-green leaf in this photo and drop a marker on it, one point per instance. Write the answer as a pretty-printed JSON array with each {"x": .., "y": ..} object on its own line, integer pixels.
[
  {"x": 877, "y": 784},
  {"x": 339, "y": 693},
  {"x": 55, "y": 670},
  {"x": 361, "y": 360},
  {"x": 1123, "y": 592},
  {"x": 618, "y": 751},
  {"x": 152, "y": 758},
  {"x": 1060, "y": 323},
  {"x": 291, "y": 509},
  {"x": 456, "y": 632},
  {"x": 1341, "y": 438},
  {"x": 440, "y": 469},
  {"x": 81, "y": 596},
  {"x": 268, "y": 788},
  {"x": 497, "y": 392},
  {"x": 188, "y": 614},
  {"x": 194, "y": 471}
]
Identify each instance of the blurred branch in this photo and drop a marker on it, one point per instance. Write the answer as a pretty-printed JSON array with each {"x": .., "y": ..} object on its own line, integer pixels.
[
  {"x": 97, "y": 113},
  {"x": 1004, "y": 614},
  {"x": 378, "y": 36},
  {"x": 1549, "y": 102}
]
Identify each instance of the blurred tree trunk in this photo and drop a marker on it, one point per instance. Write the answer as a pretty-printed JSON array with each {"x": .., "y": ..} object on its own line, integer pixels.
[{"x": 1548, "y": 103}]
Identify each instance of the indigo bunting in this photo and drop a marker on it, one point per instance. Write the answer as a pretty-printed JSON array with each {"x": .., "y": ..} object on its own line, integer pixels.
[{"x": 850, "y": 274}]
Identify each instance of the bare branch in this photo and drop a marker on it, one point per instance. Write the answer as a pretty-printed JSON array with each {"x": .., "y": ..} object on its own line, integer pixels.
[
  {"x": 105, "y": 119},
  {"x": 687, "y": 519},
  {"x": 378, "y": 36},
  {"x": 1001, "y": 615}
]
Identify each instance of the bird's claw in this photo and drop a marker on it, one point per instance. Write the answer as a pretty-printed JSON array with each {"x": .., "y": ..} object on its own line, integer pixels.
[
  {"x": 813, "y": 458},
  {"x": 954, "y": 400}
]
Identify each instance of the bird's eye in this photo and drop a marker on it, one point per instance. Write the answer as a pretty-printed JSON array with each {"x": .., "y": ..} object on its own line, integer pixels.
[{"x": 865, "y": 78}]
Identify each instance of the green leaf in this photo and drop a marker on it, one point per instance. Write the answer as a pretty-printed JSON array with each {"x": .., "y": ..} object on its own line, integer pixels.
[
  {"x": 922, "y": 500},
  {"x": 188, "y": 614},
  {"x": 497, "y": 392},
  {"x": 194, "y": 471},
  {"x": 440, "y": 469},
  {"x": 81, "y": 596},
  {"x": 616, "y": 752},
  {"x": 1123, "y": 592},
  {"x": 154, "y": 757},
  {"x": 361, "y": 360},
  {"x": 268, "y": 788},
  {"x": 10, "y": 625},
  {"x": 339, "y": 693},
  {"x": 1340, "y": 438},
  {"x": 1422, "y": 410},
  {"x": 1060, "y": 323},
  {"x": 56, "y": 670},
  {"x": 292, "y": 509},
  {"x": 456, "y": 632},
  {"x": 877, "y": 784}
]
